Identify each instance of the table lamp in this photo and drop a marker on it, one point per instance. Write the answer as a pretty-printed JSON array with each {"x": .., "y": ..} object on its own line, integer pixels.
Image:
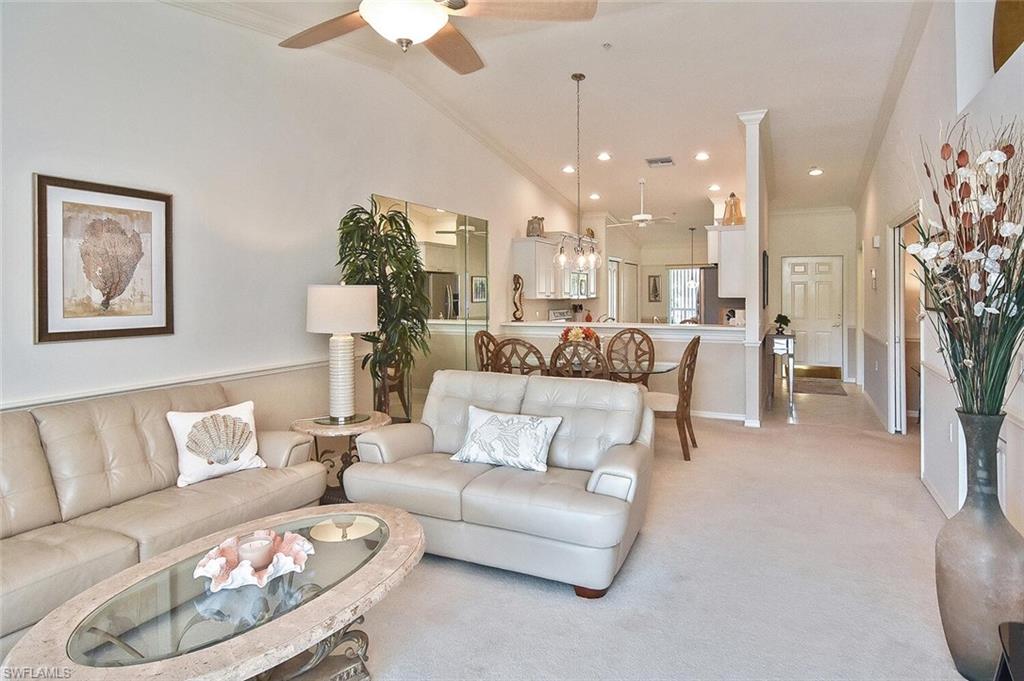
[{"x": 341, "y": 310}]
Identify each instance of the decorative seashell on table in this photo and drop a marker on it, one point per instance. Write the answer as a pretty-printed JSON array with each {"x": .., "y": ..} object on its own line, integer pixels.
[
  {"x": 226, "y": 571},
  {"x": 219, "y": 438}
]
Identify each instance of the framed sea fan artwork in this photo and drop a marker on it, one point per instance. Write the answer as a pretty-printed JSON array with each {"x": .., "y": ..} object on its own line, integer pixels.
[{"x": 103, "y": 261}]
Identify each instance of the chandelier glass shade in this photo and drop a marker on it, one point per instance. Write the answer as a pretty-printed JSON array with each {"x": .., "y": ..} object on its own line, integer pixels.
[{"x": 405, "y": 22}]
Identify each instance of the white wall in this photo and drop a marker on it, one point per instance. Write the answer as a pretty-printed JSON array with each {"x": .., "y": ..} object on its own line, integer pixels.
[
  {"x": 263, "y": 149},
  {"x": 830, "y": 231},
  {"x": 926, "y": 103}
]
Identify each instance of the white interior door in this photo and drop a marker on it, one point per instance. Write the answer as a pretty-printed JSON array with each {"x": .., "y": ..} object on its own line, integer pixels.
[
  {"x": 613, "y": 289},
  {"x": 812, "y": 297},
  {"x": 629, "y": 300}
]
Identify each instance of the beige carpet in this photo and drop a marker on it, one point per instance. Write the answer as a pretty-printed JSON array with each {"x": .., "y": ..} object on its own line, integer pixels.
[{"x": 789, "y": 552}]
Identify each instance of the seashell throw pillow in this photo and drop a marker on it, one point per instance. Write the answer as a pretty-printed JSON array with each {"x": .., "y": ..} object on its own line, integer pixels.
[
  {"x": 515, "y": 440},
  {"x": 214, "y": 443}
]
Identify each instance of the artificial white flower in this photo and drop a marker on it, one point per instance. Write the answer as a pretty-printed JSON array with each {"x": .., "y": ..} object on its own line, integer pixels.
[
  {"x": 914, "y": 249},
  {"x": 979, "y": 307},
  {"x": 974, "y": 255},
  {"x": 983, "y": 156},
  {"x": 966, "y": 173},
  {"x": 997, "y": 156},
  {"x": 1013, "y": 309},
  {"x": 975, "y": 282},
  {"x": 1008, "y": 229},
  {"x": 992, "y": 266},
  {"x": 945, "y": 248},
  {"x": 992, "y": 168},
  {"x": 929, "y": 252},
  {"x": 994, "y": 251},
  {"x": 987, "y": 203},
  {"x": 969, "y": 363}
]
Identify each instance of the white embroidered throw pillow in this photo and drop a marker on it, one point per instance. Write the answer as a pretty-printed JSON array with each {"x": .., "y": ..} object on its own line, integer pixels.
[
  {"x": 214, "y": 443},
  {"x": 514, "y": 440}
]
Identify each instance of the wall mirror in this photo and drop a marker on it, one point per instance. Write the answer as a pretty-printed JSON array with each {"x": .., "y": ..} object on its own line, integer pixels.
[{"x": 453, "y": 247}]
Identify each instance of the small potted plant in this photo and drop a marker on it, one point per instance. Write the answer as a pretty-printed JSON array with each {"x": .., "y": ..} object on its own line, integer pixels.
[{"x": 782, "y": 322}]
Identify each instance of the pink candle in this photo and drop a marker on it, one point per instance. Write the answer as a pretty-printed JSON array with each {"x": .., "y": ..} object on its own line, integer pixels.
[{"x": 257, "y": 550}]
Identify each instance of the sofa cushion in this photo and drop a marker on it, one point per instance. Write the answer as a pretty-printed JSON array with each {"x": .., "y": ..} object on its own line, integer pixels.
[
  {"x": 451, "y": 392},
  {"x": 162, "y": 520},
  {"x": 105, "y": 451},
  {"x": 595, "y": 416},
  {"x": 427, "y": 484},
  {"x": 554, "y": 504},
  {"x": 27, "y": 497},
  {"x": 42, "y": 568}
]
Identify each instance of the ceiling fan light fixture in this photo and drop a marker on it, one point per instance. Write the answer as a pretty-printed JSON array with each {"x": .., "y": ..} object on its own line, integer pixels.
[{"x": 404, "y": 22}]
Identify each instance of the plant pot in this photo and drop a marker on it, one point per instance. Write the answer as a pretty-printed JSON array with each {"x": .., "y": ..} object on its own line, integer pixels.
[{"x": 979, "y": 560}]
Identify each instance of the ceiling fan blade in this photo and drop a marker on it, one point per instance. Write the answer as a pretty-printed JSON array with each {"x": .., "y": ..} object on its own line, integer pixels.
[
  {"x": 332, "y": 28},
  {"x": 530, "y": 10},
  {"x": 451, "y": 47},
  {"x": 620, "y": 224}
]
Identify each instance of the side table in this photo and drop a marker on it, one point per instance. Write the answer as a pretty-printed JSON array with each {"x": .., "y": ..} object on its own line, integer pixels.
[{"x": 350, "y": 430}]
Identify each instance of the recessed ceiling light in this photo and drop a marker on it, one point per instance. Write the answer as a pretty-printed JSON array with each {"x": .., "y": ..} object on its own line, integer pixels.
[
  {"x": 568, "y": 170},
  {"x": 702, "y": 156},
  {"x": 714, "y": 188},
  {"x": 604, "y": 156},
  {"x": 440, "y": 210},
  {"x": 595, "y": 196},
  {"x": 815, "y": 171}
]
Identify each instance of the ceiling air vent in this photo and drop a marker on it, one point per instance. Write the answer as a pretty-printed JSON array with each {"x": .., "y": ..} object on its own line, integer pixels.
[{"x": 660, "y": 162}]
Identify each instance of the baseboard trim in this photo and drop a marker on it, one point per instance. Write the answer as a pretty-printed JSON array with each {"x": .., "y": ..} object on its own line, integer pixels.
[
  {"x": 720, "y": 415},
  {"x": 186, "y": 380},
  {"x": 752, "y": 423}
]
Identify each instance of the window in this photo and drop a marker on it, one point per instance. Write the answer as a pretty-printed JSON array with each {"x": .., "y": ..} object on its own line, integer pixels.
[{"x": 683, "y": 294}]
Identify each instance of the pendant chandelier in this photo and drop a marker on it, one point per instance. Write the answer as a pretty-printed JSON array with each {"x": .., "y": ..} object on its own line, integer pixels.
[
  {"x": 692, "y": 283},
  {"x": 583, "y": 258}
]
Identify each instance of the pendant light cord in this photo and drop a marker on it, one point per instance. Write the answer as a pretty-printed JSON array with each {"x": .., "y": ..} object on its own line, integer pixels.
[{"x": 578, "y": 77}]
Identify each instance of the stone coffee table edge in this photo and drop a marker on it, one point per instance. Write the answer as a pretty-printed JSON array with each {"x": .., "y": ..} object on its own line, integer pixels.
[{"x": 253, "y": 652}]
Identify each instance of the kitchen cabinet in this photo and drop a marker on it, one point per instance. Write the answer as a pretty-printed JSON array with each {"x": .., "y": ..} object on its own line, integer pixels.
[
  {"x": 727, "y": 245},
  {"x": 534, "y": 261}
]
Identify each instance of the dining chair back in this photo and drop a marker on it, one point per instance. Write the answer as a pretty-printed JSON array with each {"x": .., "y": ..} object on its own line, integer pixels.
[
  {"x": 396, "y": 384},
  {"x": 578, "y": 359},
  {"x": 630, "y": 355},
  {"x": 484, "y": 343},
  {"x": 687, "y": 367},
  {"x": 516, "y": 356}
]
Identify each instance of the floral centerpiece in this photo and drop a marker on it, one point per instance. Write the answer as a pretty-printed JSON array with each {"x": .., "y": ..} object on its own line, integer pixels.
[
  {"x": 972, "y": 269},
  {"x": 579, "y": 333}
]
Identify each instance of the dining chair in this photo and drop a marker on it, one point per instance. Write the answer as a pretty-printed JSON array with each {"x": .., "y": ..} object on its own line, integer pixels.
[
  {"x": 630, "y": 355},
  {"x": 396, "y": 384},
  {"x": 484, "y": 343},
  {"x": 516, "y": 356},
  {"x": 578, "y": 359},
  {"x": 687, "y": 367}
]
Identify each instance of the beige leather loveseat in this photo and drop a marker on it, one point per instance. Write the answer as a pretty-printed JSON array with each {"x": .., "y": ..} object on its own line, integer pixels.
[
  {"x": 574, "y": 523},
  {"x": 88, "y": 488}
]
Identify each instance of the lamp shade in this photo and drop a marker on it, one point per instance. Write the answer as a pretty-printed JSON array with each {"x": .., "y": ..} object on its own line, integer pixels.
[
  {"x": 396, "y": 20},
  {"x": 332, "y": 308}
]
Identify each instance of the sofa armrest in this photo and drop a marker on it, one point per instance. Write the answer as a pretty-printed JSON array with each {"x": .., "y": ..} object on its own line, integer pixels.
[
  {"x": 620, "y": 471},
  {"x": 283, "y": 448},
  {"x": 395, "y": 442}
]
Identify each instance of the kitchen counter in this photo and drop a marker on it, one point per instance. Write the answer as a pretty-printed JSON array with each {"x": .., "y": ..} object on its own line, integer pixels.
[{"x": 707, "y": 332}]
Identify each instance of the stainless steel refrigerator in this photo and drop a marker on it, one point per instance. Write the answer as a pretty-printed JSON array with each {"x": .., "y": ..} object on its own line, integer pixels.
[{"x": 443, "y": 291}]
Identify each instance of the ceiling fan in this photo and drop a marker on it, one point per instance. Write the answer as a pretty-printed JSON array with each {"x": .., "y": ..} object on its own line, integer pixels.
[
  {"x": 643, "y": 219},
  {"x": 409, "y": 22}
]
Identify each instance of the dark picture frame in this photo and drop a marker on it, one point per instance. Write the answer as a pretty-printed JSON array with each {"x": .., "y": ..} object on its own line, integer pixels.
[
  {"x": 478, "y": 289},
  {"x": 51, "y": 219},
  {"x": 654, "y": 288}
]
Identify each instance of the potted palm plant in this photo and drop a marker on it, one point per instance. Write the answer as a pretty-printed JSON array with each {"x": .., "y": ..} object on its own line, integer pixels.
[
  {"x": 379, "y": 248},
  {"x": 971, "y": 257}
]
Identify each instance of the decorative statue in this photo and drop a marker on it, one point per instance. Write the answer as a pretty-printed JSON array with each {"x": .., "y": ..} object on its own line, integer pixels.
[
  {"x": 517, "y": 297},
  {"x": 733, "y": 213},
  {"x": 535, "y": 226}
]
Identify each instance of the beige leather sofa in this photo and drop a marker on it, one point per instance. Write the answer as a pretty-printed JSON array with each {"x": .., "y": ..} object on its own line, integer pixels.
[
  {"x": 88, "y": 488},
  {"x": 574, "y": 523}
]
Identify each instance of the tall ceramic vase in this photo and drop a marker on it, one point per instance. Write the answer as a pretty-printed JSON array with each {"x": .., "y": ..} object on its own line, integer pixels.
[{"x": 979, "y": 560}]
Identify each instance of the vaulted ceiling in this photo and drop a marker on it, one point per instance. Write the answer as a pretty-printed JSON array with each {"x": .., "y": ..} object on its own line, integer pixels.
[{"x": 663, "y": 79}]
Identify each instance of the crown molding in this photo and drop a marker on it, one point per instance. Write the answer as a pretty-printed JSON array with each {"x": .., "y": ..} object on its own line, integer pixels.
[
  {"x": 822, "y": 210},
  {"x": 247, "y": 16}
]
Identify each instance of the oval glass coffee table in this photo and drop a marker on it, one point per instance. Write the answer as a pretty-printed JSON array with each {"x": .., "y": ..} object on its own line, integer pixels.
[{"x": 154, "y": 620}]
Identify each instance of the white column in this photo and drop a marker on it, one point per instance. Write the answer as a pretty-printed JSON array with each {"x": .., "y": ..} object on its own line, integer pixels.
[
  {"x": 340, "y": 376},
  {"x": 756, "y": 240}
]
